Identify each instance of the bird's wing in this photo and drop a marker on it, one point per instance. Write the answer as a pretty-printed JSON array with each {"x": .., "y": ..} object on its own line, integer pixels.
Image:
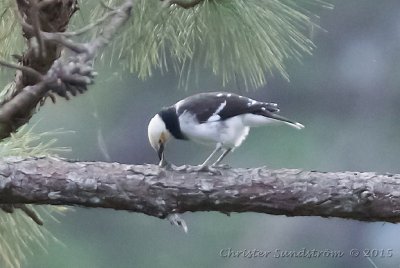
[{"x": 216, "y": 106}]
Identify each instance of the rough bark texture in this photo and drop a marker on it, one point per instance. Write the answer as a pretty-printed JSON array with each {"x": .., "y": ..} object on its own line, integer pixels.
[
  {"x": 53, "y": 17},
  {"x": 157, "y": 192}
]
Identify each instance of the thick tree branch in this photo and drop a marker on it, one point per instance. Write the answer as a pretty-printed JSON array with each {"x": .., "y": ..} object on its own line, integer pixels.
[{"x": 157, "y": 192}]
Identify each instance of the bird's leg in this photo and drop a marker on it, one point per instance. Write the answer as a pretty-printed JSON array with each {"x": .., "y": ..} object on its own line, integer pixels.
[
  {"x": 227, "y": 151},
  {"x": 163, "y": 163},
  {"x": 216, "y": 150},
  {"x": 204, "y": 167}
]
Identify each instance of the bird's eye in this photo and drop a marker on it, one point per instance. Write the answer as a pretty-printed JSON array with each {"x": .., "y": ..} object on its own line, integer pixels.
[{"x": 159, "y": 141}]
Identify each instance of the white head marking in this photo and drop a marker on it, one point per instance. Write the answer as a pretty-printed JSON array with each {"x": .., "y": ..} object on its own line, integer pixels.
[
  {"x": 157, "y": 132},
  {"x": 178, "y": 104}
]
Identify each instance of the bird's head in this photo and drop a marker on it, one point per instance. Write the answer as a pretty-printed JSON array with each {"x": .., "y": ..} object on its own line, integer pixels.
[{"x": 159, "y": 135}]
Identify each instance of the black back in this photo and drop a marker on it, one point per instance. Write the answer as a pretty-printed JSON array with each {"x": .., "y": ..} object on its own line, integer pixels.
[{"x": 204, "y": 105}]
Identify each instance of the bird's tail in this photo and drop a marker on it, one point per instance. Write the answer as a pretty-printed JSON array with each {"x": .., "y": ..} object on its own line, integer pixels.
[{"x": 286, "y": 121}]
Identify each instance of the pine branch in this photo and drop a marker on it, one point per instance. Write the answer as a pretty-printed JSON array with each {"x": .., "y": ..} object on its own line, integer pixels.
[
  {"x": 48, "y": 16},
  {"x": 157, "y": 192},
  {"x": 44, "y": 73}
]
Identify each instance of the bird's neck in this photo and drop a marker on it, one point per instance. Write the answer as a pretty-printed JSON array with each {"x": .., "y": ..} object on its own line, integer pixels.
[{"x": 171, "y": 121}]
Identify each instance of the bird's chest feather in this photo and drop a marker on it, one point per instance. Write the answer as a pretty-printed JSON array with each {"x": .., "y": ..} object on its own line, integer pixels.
[{"x": 230, "y": 133}]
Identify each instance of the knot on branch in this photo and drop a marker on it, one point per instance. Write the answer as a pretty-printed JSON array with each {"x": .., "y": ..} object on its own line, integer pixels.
[{"x": 70, "y": 76}]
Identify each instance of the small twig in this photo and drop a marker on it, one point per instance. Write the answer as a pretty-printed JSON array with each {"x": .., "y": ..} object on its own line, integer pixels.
[
  {"x": 3, "y": 13},
  {"x": 24, "y": 69},
  {"x": 90, "y": 26},
  {"x": 103, "y": 4},
  {"x": 34, "y": 12},
  {"x": 184, "y": 4},
  {"x": 10, "y": 208},
  {"x": 29, "y": 212},
  {"x": 60, "y": 39},
  {"x": 57, "y": 38}
]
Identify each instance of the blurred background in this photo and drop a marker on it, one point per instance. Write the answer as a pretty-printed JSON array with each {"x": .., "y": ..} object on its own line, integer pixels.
[{"x": 347, "y": 95}]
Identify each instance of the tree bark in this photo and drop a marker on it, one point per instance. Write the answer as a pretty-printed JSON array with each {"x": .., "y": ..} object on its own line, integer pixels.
[
  {"x": 158, "y": 192},
  {"x": 53, "y": 17}
]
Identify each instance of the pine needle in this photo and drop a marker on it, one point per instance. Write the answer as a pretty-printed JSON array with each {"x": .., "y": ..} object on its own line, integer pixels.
[
  {"x": 19, "y": 234},
  {"x": 245, "y": 39}
]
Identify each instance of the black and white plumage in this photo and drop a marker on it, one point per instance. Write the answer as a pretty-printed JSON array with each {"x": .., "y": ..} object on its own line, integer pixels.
[{"x": 219, "y": 118}]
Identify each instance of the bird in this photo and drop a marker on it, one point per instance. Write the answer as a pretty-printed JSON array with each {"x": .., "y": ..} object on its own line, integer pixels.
[{"x": 221, "y": 119}]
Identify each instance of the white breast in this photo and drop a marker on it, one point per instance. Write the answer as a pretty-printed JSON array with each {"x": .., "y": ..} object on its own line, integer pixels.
[{"x": 230, "y": 133}]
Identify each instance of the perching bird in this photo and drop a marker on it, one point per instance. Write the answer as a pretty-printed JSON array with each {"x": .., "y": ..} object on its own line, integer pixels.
[{"x": 219, "y": 118}]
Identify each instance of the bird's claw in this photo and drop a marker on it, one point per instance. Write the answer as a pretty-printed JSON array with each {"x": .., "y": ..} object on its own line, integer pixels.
[
  {"x": 204, "y": 168},
  {"x": 222, "y": 166},
  {"x": 164, "y": 164}
]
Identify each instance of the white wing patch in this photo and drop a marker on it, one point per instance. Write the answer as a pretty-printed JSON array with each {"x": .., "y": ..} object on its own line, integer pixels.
[
  {"x": 222, "y": 106},
  {"x": 215, "y": 116},
  {"x": 178, "y": 104},
  {"x": 251, "y": 102}
]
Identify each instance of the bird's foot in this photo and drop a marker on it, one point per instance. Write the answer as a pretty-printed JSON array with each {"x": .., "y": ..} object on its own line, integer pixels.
[
  {"x": 204, "y": 168},
  {"x": 164, "y": 164},
  {"x": 222, "y": 166}
]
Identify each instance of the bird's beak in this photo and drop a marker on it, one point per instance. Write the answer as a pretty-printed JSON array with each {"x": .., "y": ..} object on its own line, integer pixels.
[
  {"x": 161, "y": 155},
  {"x": 160, "y": 151}
]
